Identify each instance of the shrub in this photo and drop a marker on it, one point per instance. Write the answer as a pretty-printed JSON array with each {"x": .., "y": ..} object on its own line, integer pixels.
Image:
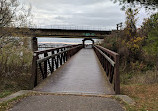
[{"x": 15, "y": 63}]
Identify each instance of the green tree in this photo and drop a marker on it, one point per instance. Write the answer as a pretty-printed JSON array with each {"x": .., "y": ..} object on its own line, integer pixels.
[
  {"x": 131, "y": 23},
  {"x": 150, "y": 29},
  {"x": 131, "y": 40},
  {"x": 149, "y": 4}
]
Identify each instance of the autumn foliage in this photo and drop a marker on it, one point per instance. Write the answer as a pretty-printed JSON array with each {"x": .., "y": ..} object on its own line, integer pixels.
[{"x": 138, "y": 47}]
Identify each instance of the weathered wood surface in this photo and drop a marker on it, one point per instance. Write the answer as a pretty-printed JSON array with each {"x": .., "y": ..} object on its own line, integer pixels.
[{"x": 83, "y": 73}]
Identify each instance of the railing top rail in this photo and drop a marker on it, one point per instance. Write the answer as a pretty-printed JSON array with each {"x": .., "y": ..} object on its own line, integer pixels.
[
  {"x": 112, "y": 53},
  {"x": 52, "y": 49},
  {"x": 48, "y": 57},
  {"x": 112, "y": 62},
  {"x": 105, "y": 55}
]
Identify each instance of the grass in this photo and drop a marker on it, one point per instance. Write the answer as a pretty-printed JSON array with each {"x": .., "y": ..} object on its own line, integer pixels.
[
  {"x": 145, "y": 96},
  {"x": 138, "y": 77},
  {"x": 141, "y": 87},
  {"x": 9, "y": 85},
  {"x": 15, "y": 65},
  {"x": 5, "y": 93}
]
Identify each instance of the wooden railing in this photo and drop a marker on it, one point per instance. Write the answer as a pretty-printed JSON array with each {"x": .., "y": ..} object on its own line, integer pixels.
[
  {"x": 110, "y": 63},
  {"x": 45, "y": 62}
]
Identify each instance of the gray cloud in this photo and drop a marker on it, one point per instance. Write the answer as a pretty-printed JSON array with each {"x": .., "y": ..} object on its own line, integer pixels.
[{"x": 77, "y": 12}]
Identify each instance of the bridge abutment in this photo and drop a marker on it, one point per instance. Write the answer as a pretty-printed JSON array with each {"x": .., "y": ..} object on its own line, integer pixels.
[{"x": 34, "y": 44}]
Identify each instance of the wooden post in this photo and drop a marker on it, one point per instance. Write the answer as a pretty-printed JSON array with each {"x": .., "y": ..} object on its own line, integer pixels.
[
  {"x": 117, "y": 75},
  {"x": 57, "y": 60},
  {"x": 64, "y": 56},
  {"x": 61, "y": 57},
  {"x": 34, "y": 71},
  {"x": 34, "y": 63},
  {"x": 45, "y": 66},
  {"x": 52, "y": 62}
]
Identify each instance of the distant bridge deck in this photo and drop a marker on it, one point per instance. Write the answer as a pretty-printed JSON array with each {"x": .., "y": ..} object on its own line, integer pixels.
[
  {"x": 70, "y": 33},
  {"x": 83, "y": 73}
]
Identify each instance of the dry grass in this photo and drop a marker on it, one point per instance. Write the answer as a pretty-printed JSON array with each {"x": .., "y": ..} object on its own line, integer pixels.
[
  {"x": 146, "y": 96},
  {"x": 138, "y": 77},
  {"x": 15, "y": 65},
  {"x": 11, "y": 84},
  {"x": 149, "y": 77}
]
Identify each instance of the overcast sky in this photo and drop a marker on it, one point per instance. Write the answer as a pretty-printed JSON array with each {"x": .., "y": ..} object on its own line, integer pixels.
[{"x": 93, "y": 13}]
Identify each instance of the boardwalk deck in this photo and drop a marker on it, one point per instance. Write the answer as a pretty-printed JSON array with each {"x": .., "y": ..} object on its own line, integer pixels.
[{"x": 81, "y": 74}]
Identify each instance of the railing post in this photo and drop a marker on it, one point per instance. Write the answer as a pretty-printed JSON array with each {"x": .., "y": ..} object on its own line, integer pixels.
[
  {"x": 45, "y": 66},
  {"x": 64, "y": 56},
  {"x": 68, "y": 55},
  {"x": 61, "y": 57},
  {"x": 52, "y": 62},
  {"x": 57, "y": 61},
  {"x": 117, "y": 75},
  {"x": 34, "y": 71}
]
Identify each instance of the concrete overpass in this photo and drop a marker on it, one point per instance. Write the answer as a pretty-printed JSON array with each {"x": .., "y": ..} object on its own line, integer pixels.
[{"x": 69, "y": 33}]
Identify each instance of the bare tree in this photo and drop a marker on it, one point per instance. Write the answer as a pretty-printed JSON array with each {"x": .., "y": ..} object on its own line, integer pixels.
[{"x": 12, "y": 15}]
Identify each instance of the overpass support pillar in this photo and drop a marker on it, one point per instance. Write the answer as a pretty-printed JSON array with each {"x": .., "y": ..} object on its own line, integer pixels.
[{"x": 34, "y": 44}]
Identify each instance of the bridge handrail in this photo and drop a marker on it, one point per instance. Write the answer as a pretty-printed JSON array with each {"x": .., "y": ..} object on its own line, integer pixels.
[
  {"x": 48, "y": 57},
  {"x": 45, "y": 66},
  {"x": 108, "y": 58},
  {"x": 112, "y": 53},
  {"x": 52, "y": 49},
  {"x": 110, "y": 63}
]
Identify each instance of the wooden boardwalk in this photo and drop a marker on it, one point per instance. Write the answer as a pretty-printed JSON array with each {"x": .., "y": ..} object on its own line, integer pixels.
[
  {"x": 75, "y": 86},
  {"x": 81, "y": 74}
]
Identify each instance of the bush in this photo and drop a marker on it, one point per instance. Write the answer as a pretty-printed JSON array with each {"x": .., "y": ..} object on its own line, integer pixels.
[
  {"x": 15, "y": 64},
  {"x": 138, "y": 48}
]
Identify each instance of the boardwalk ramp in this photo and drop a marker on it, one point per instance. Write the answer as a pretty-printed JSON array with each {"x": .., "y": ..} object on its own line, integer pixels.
[{"x": 80, "y": 84}]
